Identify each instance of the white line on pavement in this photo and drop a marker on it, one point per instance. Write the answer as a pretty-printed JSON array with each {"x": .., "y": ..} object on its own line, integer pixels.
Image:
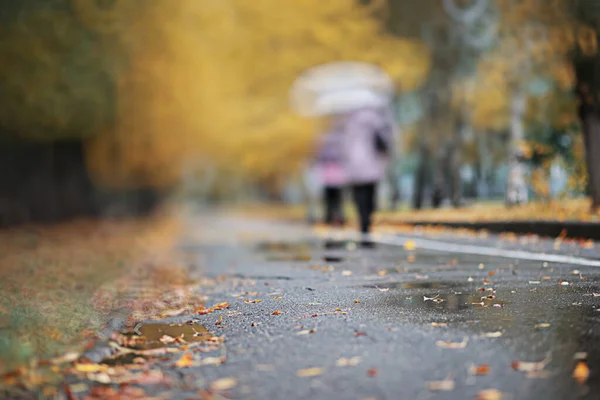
[{"x": 436, "y": 245}]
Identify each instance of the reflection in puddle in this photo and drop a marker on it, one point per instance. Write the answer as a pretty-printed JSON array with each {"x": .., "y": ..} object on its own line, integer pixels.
[
  {"x": 284, "y": 247},
  {"x": 284, "y": 251},
  {"x": 160, "y": 335},
  {"x": 333, "y": 259},
  {"x": 290, "y": 257},
  {"x": 416, "y": 285},
  {"x": 441, "y": 295}
]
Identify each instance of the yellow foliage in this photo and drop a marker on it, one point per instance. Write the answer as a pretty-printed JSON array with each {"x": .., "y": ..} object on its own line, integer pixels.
[
  {"x": 210, "y": 80},
  {"x": 535, "y": 40}
]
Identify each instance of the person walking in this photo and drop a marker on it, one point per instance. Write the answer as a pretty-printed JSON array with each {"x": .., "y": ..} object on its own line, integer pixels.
[
  {"x": 330, "y": 156},
  {"x": 368, "y": 146}
]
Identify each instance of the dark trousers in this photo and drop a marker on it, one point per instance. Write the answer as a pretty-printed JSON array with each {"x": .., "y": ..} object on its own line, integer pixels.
[
  {"x": 364, "y": 200},
  {"x": 333, "y": 205}
]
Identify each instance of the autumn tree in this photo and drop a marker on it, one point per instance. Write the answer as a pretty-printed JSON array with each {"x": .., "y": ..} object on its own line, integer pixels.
[{"x": 148, "y": 92}]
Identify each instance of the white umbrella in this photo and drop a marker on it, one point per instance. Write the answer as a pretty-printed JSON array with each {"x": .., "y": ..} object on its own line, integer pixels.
[{"x": 340, "y": 87}]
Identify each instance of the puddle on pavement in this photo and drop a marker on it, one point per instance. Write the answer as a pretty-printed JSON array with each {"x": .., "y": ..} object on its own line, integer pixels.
[
  {"x": 284, "y": 251},
  {"x": 441, "y": 295},
  {"x": 152, "y": 333},
  {"x": 284, "y": 247},
  {"x": 416, "y": 285},
  {"x": 338, "y": 244},
  {"x": 290, "y": 257}
]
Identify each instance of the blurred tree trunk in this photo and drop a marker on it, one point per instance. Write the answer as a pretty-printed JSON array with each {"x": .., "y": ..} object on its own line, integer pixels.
[
  {"x": 439, "y": 178},
  {"x": 421, "y": 176},
  {"x": 516, "y": 188},
  {"x": 49, "y": 182},
  {"x": 588, "y": 75},
  {"x": 455, "y": 161},
  {"x": 591, "y": 137}
]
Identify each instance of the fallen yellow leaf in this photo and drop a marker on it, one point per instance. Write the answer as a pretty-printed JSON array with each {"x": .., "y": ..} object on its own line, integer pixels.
[
  {"x": 307, "y": 372},
  {"x": 185, "y": 361},
  {"x": 410, "y": 245},
  {"x": 489, "y": 394},
  {"x": 347, "y": 362},
  {"x": 90, "y": 367},
  {"x": 223, "y": 384}
]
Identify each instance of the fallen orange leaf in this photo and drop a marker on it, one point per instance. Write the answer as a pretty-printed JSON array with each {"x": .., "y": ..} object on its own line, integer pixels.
[
  {"x": 581, "y": 372},
  {"x": 276, "y": 312},
  {"x": 483, "y": 369},
  {"x": 185, "y": 361}
]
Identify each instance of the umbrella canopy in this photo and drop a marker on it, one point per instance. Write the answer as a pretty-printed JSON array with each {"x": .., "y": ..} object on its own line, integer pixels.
[{"x": 340, "y": 87}]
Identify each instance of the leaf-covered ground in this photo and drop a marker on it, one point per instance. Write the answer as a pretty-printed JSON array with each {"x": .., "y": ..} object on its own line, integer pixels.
[
  {"x": 563, "y": 210},
  {"x": 58, "y": 284}
]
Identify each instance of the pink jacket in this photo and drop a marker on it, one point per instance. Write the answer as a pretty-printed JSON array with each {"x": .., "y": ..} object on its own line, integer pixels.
[
  {"x": 363, "y": 164},
  {"x": 330, "y": 156}
]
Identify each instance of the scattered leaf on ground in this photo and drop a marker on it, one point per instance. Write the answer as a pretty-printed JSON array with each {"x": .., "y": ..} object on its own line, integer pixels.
[
  {"x": 452, "y": 345},
  {"x": 185, "y": 361},
  {"x": 438, "y": 324},
  {"x": 252, "y": 301},
  {"x": 482, "y": 369},
  {"x": 543, "y": 325},
  {"x": 90, "y": 367},
  {"x": 346, "y": 273},
  {"x": 223, "y": 384},
  {"x": 528, "y": 366},
  {"x": 372, "y": 372},
  {"x": 347, "y": 362},
  {"x": 581, "y": 372},
  {"x": 307, "y": 331},
  {"x": 307, "y": 372},
  {"x": 489, "y": 394},
  {"x": 410, "y": 245},
  {"x": 493, "y": 334},
  {"x": 166, "y": 339},
  {"x": 276, "y": 312},
  {"x": 441, "y": 386},
  {"x": 356, "y": 301}
]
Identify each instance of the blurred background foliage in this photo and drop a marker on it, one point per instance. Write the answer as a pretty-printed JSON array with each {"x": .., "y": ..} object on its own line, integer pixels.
[{"x": 108, "y": 105}]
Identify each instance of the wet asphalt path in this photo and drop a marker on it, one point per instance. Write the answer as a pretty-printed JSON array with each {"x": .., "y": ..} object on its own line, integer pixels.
[{"x": 372, "y": 306}]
